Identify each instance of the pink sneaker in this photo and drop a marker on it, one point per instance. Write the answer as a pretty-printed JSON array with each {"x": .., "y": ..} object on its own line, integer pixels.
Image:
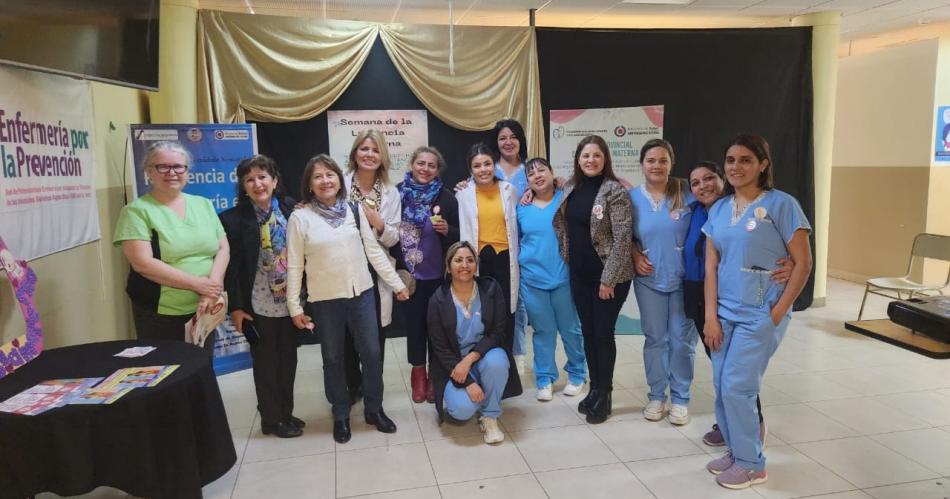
[
  {"x": 721, "y": 463},
  {"x": 713, "y": 438},
  {"x": 738, "y": 477}
]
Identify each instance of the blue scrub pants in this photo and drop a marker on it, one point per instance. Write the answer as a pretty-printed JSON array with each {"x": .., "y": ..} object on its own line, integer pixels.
[
  {"x": 521, "y": 325},
  {"x": 491, "y": 373},
  {"x": 670, "y": 346},
  {"x": 738, "y": 367},
  {"x": 550, "y": 311}
]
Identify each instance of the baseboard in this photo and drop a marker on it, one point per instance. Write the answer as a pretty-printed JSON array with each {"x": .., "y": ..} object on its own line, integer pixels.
[{"x": 848, "y": 276}]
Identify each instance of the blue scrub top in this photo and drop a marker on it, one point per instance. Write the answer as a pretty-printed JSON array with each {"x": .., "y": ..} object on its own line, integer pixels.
[
  {"x": 541, "y": 264},
  {"x": 748, "y": 246},
  {"x": 470, "y": 330},
  {"x": 661, "y": 233},
  {"x": 519, "y": 179},
  {"x": 694, "y": 249}
]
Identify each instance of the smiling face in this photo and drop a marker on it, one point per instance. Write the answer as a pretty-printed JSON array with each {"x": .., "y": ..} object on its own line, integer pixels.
[
  {"x": 368, "y": 156},
  {"x": 463, "y": 265},
  {"x": 259, "y": 186},
  {"x": 483, "y": 169},
  {"x": 705, "y": 185},
  {"x": 541, "y": 179},
  {"x": 743, "y": 167},
  {"x": 325, "y": 184},
  {"x": 425, "y": 168},
  {"x": 657, "y": 165},
  {"x": 591, "y": 160},
  {"x": 173, "y": 181},
  {"x": 509, "y": 145}
]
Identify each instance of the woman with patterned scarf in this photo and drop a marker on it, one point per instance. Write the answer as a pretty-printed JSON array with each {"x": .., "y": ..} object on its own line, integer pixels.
[
  {"x": 256, "y": 282},
  {"x": 429, "y": 226}
]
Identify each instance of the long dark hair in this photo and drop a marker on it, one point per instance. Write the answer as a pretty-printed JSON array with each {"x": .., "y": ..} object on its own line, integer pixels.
[
  {"x": 760, "y": 148},
  {"x": 263, "y": 163},
  {"x": 516, "y": 129},
  {"x": 599, "y": 141}
]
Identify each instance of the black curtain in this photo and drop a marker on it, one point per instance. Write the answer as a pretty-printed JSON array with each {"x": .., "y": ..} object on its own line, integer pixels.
[{"x": 713, "y": 83}]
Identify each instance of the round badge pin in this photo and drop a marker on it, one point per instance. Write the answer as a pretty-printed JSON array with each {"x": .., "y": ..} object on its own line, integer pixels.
[
  {"x": 675, "y": 215},
  {"x": 761, "y": 212},
  {"x": 750, "y": 225}
]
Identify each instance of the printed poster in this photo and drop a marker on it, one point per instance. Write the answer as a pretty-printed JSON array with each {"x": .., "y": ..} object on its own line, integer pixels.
[
  {"x": 216, "y": 150},
  {"x": 942, "y": 145},
  {"x": 624, "y": 129},
  {"x": 16, "y": 352},
  {"x": 404, "y": 131},
  {"x": 47, "y": 165}
]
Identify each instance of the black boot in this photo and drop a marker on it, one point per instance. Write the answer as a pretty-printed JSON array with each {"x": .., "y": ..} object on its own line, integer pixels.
[
  {"x": 341, "y": 430},
  {"x": 583, "y": 406},
  {"x": 380, "y": 421},
  {"x": 600, "y": 407}
]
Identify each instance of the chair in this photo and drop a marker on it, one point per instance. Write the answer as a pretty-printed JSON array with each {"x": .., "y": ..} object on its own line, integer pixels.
[{"x": 932, "y": 246}]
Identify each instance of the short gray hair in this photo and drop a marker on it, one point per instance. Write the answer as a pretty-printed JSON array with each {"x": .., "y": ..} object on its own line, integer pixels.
[{"x": 161, "y": 146}]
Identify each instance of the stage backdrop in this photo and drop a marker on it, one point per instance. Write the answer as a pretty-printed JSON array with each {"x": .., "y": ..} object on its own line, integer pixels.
[
  {"x": 47, "y": 185},
  {"x": 216, "y": 151},
  {"x": 712, "y": 83}
]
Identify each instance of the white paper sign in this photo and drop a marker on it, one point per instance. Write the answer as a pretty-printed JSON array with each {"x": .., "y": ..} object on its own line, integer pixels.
[{"x": 625, "y": 129}]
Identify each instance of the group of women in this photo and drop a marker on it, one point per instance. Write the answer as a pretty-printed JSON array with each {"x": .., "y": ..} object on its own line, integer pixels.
[{"x": 511, "y": 240}]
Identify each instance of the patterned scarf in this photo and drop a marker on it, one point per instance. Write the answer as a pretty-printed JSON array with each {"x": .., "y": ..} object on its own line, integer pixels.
[
  {"x": 375, "y": 197},
  {"x": 334, "y": 215},
  {"x": 417, "y": 199},
  {"x": 273, "y": 227}
]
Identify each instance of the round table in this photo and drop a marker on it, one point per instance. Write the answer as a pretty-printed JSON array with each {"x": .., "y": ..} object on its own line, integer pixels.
[{"x": 165, "y": 441}]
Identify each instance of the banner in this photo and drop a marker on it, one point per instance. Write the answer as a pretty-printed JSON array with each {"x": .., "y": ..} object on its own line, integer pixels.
[
  {"x": 942, "y": 145},
  {"x": 625, "y": 129},
  {"x": 215, "y": 150},
  {"x": 404, "y": 131},
  {"x": 47, "y": 186}
]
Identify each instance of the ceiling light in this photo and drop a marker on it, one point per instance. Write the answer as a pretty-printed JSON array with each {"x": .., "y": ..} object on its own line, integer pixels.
[{"x": 659, "y": 2}]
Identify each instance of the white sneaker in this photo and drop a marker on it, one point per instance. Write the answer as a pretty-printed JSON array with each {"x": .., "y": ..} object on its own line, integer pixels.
[
  {"x": 519, "y": 363},
  {"x": 544, "y": 393},
  {"x": 654, "y": 410},
  {"x": 571, "y": 389},
  {"x": 489, "y": 427},
  {"x": 679, "y": 414}
]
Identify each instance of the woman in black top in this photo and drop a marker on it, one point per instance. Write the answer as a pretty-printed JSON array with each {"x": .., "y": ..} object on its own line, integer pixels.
[
  {"x": 594, "y": 225},
  {"x": 256, "y": 282}
]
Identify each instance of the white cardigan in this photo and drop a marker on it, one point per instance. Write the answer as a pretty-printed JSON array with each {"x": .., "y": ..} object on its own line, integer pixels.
[
  {"x": 391, "y": 211},
  {"x": 468, "y": 226},
  {"x": 335, "y": 259}
]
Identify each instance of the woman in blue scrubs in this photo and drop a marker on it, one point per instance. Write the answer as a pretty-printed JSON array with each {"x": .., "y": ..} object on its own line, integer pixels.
[
  {"x": 546, "y": 286},
  {"x": 662, "y": 213},
  {"x": 706, "y": 183},
  {"x": 747, "y": 313}
]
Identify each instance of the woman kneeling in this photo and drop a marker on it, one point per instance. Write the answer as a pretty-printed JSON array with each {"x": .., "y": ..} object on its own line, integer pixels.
[{"x": 473, "y": 368}]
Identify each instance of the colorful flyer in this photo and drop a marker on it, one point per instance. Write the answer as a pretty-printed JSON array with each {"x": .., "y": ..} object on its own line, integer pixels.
[
  {"x": 136, "y": 377},
  {"x": 942, "y": 145},
  {"x": 24, "y": 348},
  {"x": 97, "y": 396}
]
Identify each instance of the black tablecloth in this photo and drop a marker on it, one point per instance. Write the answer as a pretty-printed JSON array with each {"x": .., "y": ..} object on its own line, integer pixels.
[{"x": 164, "y": 441}]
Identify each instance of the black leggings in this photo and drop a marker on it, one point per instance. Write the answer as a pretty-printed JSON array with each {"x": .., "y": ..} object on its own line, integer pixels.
[
  {"x": 498, "y": 267},
  {"x": 598, "y": 320}
]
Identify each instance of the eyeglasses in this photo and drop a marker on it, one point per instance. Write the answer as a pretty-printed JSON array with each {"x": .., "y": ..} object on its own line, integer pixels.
[{"x": 165, "y": 169}]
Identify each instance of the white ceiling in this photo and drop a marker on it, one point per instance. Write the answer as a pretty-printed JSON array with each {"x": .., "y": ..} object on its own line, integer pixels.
[{"x": 860, "y": 18}]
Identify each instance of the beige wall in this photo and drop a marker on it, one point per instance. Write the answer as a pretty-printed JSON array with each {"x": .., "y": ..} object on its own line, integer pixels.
[
  {"x": 80, "y": 293},
  {"x": 881, "y": 173}
]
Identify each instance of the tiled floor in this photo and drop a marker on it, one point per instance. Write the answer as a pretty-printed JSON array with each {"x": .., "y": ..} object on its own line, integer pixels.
[{"x": 849, "y": 418}]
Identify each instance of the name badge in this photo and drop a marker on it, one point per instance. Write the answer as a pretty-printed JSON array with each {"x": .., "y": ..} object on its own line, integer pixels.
[{"x": 761, "y": 212}]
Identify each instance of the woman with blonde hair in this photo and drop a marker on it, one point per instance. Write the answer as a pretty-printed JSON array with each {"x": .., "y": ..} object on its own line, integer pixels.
[{"x": 367, "y": 183}]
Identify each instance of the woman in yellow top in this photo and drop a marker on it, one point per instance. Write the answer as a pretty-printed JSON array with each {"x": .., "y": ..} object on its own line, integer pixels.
[{"x": 488, "y": 220}]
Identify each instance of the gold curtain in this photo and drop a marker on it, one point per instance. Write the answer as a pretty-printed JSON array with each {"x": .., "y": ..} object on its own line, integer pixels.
[
  {"x": 275, "y": 69},
  {"x": 496, "y": 75}
]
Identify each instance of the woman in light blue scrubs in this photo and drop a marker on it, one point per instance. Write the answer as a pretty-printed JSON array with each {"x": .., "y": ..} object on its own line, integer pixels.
[
  {"x": 662, "y": 211},
  {"x": 747, "y": 313},
  {"x": 546, "y": 286}
]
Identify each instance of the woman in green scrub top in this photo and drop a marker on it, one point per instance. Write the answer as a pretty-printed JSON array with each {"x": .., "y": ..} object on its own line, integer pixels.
[{"x": 175, "y": 245}]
